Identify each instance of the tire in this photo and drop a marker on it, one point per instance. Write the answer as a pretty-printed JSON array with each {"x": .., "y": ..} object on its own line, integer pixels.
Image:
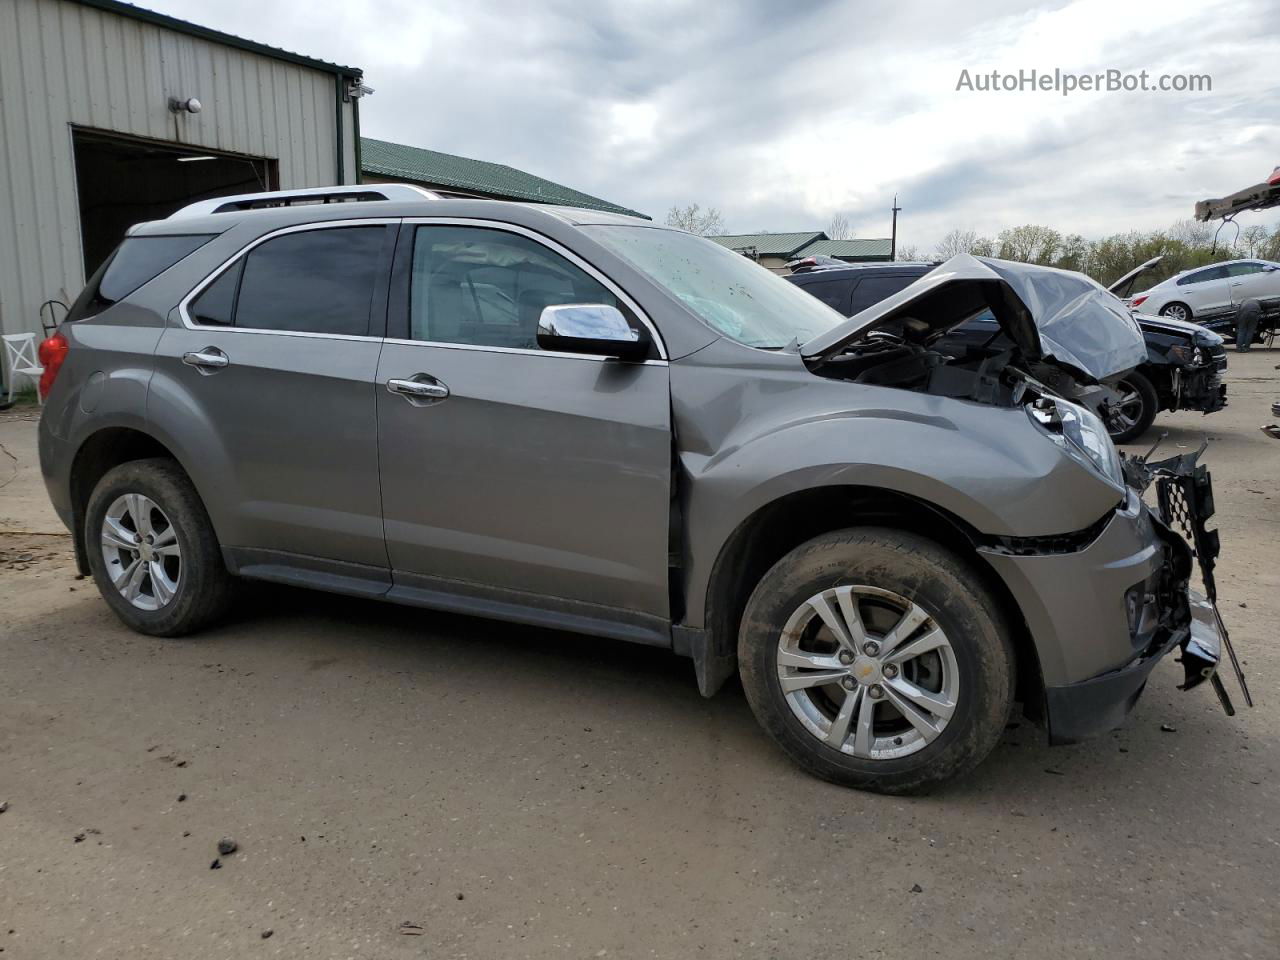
[
  {"x": 1139, "y": 412},
  {"x": 1177, "y": 310},
  {"x": 919, "y": 573},
  {"x": 191, "y": 588}
]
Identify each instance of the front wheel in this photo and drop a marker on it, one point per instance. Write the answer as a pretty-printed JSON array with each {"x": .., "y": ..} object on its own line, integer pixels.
[
  {"x": 153, "y": 551},
  {"x": 876, "y": 660},
  {"x": 1136, "y": 409}
]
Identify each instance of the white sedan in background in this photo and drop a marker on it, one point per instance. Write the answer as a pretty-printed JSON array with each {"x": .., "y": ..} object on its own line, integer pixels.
[{"x": 1210, "y": 295}]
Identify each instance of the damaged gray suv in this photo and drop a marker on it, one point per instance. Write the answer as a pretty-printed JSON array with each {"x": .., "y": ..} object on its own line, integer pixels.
[{"x": 587, "y": 422}]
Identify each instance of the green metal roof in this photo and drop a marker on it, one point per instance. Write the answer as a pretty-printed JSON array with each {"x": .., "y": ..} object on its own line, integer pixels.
[
  {"x": 848, "y": 249},
  {"x": 216, "y": 36},
  {"x": 769, "y": 244},
  {"x": 479, "y": 176}
]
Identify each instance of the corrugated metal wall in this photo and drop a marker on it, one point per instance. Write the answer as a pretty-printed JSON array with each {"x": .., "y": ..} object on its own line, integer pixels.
[{"x": 62, "y": 63}]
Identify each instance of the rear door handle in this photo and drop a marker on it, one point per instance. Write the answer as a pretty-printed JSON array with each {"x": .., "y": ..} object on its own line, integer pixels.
[
  {"x": 420, "y": 389},
  {"x": 207, "y": 360}
]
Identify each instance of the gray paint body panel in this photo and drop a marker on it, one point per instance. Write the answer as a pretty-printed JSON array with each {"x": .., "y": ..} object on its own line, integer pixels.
[
  {"x": 1074, "y": 603},
  {"x": 286, "y": 436},
  {"x": 539, "y": 473},
  {"x": 755, "y": 427}
]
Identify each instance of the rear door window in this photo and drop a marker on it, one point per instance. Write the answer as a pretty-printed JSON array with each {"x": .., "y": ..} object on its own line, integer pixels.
[
  {"x": 315, "y": 281},
  {"x": 217, "y": 302},
  {"x": 1201, "y": 276},
  {"x": 312, "y": 281}
]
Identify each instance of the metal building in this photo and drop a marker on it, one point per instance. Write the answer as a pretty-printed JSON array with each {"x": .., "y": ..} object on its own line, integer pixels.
[{"x": 111, "y": 114}]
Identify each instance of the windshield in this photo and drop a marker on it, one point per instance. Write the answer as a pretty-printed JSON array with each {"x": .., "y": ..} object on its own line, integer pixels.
[{"x": 733, "y": 295}]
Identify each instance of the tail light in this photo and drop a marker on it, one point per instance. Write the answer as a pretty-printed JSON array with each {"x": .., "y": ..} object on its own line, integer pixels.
[
  {"x": 52, "y": 352},
  {"x": 1138, "y": 301}
]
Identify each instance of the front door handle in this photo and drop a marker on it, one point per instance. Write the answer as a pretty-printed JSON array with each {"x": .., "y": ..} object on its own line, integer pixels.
[
  {"x": 420, "y": 389},
  {"x": 207, "y": 360}
]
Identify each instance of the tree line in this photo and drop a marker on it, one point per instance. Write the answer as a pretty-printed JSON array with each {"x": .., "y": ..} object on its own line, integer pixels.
[{"x": 1185, "y": 244}]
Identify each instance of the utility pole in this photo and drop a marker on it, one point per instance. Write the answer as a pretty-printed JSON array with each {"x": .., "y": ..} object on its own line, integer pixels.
[{"x": 893, "y": 242}]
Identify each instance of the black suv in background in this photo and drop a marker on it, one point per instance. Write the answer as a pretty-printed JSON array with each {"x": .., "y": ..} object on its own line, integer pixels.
[{"x": 1184, "y": 367}]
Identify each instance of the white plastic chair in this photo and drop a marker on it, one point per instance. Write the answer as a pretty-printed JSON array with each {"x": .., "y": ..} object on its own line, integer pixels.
[{"x": 20, "y": 349}]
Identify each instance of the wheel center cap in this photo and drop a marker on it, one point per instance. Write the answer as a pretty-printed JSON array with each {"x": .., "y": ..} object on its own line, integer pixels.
[{"x": 866, "y": 671}]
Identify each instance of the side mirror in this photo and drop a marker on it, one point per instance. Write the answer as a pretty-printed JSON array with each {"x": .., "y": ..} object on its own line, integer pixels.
[
  {"x": 1269, "y": 268},
  {"x": 593, "y": 328}
]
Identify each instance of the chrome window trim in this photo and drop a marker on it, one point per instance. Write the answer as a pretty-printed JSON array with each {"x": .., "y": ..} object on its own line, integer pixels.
[
  {"x": 557, "y": 248},
  {"x": 519, "y": 351},
  {"x": 184, "y": 304},
  {"x": 184, "y": 313}
]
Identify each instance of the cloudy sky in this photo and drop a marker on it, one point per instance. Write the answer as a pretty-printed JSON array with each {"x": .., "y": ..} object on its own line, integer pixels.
[{"x": 782, "y": 115}]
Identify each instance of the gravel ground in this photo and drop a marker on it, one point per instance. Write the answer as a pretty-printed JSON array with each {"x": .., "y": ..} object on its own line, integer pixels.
[{"x": 521, "y": 793}]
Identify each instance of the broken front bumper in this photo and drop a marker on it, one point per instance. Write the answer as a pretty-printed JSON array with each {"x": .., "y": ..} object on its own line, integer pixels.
[
  {"x": 1200, "y": 388},
  {"x": 1104, "y": 613}
]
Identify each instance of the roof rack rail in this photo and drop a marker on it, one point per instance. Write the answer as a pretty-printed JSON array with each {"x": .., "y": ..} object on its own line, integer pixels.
[{"x": 308, "y": 195}]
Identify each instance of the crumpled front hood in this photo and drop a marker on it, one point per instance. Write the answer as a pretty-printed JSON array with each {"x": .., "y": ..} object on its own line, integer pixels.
[{"x": 1050, "y": 314}]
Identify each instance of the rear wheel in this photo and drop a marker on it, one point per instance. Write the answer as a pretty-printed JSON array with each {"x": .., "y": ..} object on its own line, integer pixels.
[
  {"x": 876, "y": 659},
  {"x": 153, "y": 551},
  {"x": 1176, "y": 311},
  {"x": 1135, "y": 410}
]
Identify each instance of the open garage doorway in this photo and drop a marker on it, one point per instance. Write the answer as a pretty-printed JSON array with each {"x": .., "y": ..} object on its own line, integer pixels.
[{"x": 123, "y": 180}]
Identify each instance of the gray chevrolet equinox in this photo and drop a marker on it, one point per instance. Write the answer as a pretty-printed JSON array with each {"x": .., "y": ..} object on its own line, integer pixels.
[{"x": 588, "y": 422}]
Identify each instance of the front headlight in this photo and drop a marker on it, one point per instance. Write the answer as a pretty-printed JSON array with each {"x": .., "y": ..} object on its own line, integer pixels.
[
  {"x": 1081, "y": 433},
  {"x": 1187, "y": 354}
]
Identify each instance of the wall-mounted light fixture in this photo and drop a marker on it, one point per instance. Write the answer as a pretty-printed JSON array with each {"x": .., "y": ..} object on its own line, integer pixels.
[
  {"x": 190, "y": 105},
  {"x": 357, "y": 89}
]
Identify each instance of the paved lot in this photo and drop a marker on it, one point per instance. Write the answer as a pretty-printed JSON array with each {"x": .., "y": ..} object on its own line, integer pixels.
[{"x": 522, "y": 793}]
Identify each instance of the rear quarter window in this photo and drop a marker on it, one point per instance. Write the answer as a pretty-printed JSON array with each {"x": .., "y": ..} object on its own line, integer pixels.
[{"x": 138, "y": 260}]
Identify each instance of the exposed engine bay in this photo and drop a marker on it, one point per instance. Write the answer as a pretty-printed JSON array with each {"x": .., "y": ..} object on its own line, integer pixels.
[
  {"x": 1059, "y": 333},
  {"x": 998, "y": 377}
]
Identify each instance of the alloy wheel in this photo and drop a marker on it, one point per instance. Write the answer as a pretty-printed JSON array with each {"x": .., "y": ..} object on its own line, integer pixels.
[
  {"x": 1128, "y": 411},
  {"x": 868, "y": 672},
  {"x": 1176, "y": 311},
  {"x": 141, "y": 551}
]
